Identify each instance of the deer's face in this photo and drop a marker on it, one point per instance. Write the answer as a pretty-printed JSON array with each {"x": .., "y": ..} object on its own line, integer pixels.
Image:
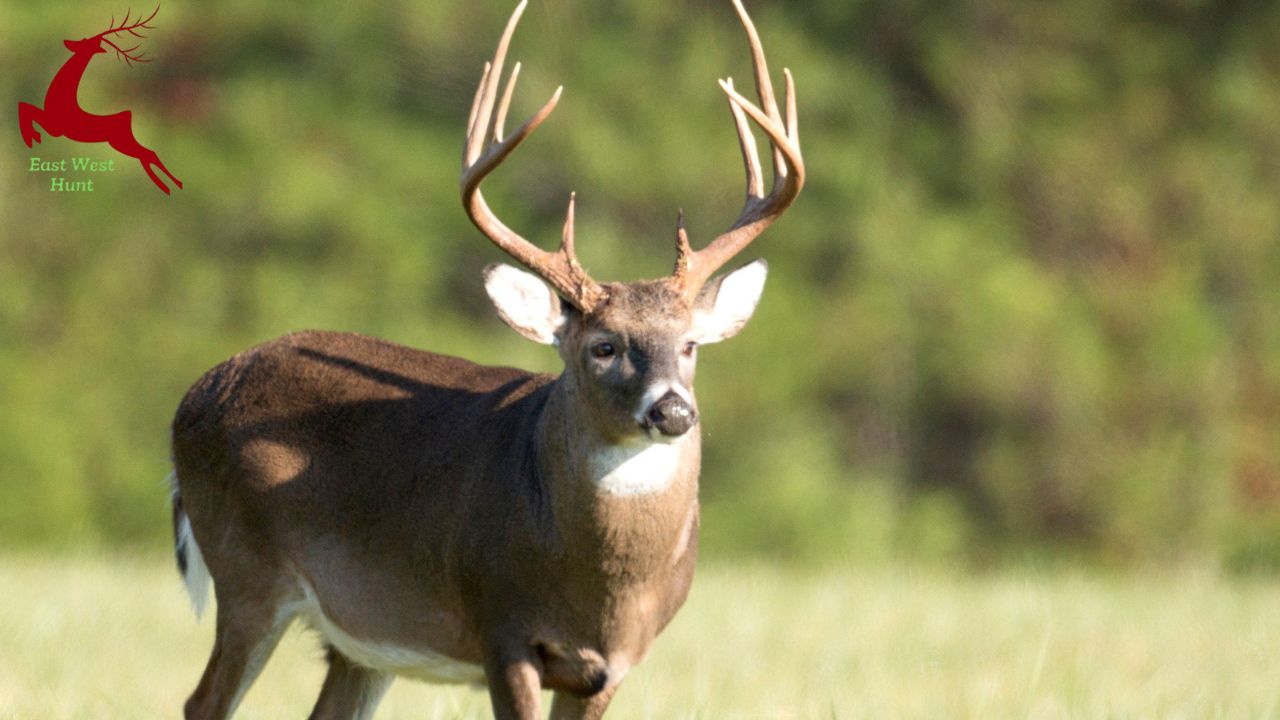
[
  {"x": 631, "y": 360},
  {"x": 84, "y": 45}
]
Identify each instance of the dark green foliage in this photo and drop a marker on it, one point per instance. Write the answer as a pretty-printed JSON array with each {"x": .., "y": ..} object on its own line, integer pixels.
[{"x": 1029, "y": 302}]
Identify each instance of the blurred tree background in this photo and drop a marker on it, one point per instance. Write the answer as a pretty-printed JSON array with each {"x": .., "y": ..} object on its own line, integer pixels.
[{"x": 1028, "y": 305}]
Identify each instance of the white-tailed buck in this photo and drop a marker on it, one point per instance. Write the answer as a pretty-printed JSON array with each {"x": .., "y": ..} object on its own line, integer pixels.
[{"x": 452, "y": 522}]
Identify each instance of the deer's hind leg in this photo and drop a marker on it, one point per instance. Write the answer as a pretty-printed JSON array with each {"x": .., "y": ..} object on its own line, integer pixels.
[
  {"x": 150, "y": 158},
  {"x": 120, "y": 137},
  {"x": 158, "y": 163},
  {"x": 152, "y": 174},
  {"x": 249, "y": 626},
  {"x": 351, "y": 692},
  {"x": 28, "y": 115}
]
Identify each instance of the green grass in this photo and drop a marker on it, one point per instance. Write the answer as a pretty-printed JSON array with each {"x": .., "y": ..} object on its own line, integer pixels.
[{"x": 100, "y": 637}]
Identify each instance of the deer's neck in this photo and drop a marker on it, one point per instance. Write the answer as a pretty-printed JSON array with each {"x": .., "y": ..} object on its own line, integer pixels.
[
  {"x": 635, "y": 500},
  {"x": 66, "y": 83}
]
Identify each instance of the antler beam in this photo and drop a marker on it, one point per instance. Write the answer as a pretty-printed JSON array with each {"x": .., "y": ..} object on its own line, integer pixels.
[{"x": 485, "y": 149}]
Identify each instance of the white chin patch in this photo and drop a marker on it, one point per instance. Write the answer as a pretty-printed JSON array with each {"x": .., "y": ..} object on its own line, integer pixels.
[{"x": 640, "y": 468}]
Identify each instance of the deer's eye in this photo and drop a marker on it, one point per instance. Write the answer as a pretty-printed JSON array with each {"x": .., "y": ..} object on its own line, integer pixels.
[
  {"x": 689, "y": 349},
  {"x": 603, "y": 350}
]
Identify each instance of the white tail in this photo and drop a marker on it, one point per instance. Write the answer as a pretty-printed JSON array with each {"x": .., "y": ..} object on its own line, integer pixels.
[
  {"x": 452, "y": 522},
  {"x": 195, "y": 574}
]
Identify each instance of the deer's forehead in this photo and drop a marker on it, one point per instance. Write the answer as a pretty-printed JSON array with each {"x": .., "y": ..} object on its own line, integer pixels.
[
  {"x": 641, "y": 330},
  {"x": 642, "y": 310}
]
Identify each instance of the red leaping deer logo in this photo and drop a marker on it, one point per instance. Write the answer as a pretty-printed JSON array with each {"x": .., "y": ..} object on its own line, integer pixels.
[{"x": 62, "y": 115}]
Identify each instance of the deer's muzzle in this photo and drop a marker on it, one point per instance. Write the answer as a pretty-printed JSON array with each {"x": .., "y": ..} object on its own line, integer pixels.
[{"x": 671, "y": 415}]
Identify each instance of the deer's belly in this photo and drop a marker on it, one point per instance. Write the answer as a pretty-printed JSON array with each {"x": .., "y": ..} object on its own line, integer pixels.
[{"x": 418, "y": 663}]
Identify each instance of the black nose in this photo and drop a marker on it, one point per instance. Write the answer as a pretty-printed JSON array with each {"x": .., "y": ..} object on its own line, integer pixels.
[{"x": 671, "y": 415}]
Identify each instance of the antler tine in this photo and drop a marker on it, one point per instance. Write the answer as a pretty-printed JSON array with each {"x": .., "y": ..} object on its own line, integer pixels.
[
  {"x": 566, "y": 237},
  {"x": 793, "y": 121},
  {"x": 683, "y": 252},
  {"x": 758, "y": 210},
  {"x": 124, "y": 25},
  {"x": 506, "y": 103},
  {"x": 764, "y": 86},
  {"x": 747, "y": 144},
  {"x": 125, "y": 54},
  {"x": 486, "y": 94},
  {"x": 475, "y": 109},
  {"x": 485, "y": 148}
]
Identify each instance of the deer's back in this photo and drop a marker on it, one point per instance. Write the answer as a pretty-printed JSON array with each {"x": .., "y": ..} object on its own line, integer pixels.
[{"x": 317, "y": 420}]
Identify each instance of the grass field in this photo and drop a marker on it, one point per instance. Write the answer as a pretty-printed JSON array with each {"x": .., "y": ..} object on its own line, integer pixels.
[{"x": 114, "y": 638}]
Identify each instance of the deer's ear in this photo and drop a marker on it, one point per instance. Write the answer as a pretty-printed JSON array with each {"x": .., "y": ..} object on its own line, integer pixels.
[
  {"x": 725, "y": 304},
  {"x": 524, "y": 302}
]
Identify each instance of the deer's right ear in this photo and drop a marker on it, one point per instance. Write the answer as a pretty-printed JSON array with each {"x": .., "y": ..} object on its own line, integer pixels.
[{"x": 525, "y": 303}]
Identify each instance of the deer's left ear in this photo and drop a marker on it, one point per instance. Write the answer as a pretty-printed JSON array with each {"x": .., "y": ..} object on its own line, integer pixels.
[{"x": 725, "y": 304}]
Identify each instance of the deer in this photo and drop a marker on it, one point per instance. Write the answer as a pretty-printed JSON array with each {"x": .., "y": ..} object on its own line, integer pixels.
[
  {"x": 436, "y": 519},
  {"x": 62, "y": 115}
]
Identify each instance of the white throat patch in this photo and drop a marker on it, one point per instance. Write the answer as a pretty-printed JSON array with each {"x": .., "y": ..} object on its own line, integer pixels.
[{"x": 640, "y": 468}]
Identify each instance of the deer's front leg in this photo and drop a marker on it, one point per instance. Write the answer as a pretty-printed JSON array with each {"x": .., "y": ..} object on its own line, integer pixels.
[
  {"x": 515, "y": 680},
  {"x": 29, "y": 114},
  {"x": 571, "y": 707}
]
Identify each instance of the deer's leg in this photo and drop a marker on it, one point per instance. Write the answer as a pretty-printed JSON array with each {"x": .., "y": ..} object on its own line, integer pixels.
[
  {"x": 247, "y": 633},
  {"x": 120, "y": 137},
  {"x": 152, "y": 174},
  {"x": 164, "y": 169},
  {"x": 29, "y": 114},
  {"x": 514, "y": 685},
  {"x": 350, "y": 692},
  {"x": 150, "y": 158},
  {"x": 156, "y": 159},
  {"x": 571, "y": 707}
]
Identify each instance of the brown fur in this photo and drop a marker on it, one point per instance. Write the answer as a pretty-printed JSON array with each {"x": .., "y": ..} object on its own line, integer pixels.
[
  {"x": 434, "y": 508},
  {"x": 439, "y": 506}
]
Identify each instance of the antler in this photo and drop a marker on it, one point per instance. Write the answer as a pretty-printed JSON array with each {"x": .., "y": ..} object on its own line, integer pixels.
[
  {"x": 132, "y": 30},
  {"x": 482, "y": 154},
  {"x": 759, "y": 211}
]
